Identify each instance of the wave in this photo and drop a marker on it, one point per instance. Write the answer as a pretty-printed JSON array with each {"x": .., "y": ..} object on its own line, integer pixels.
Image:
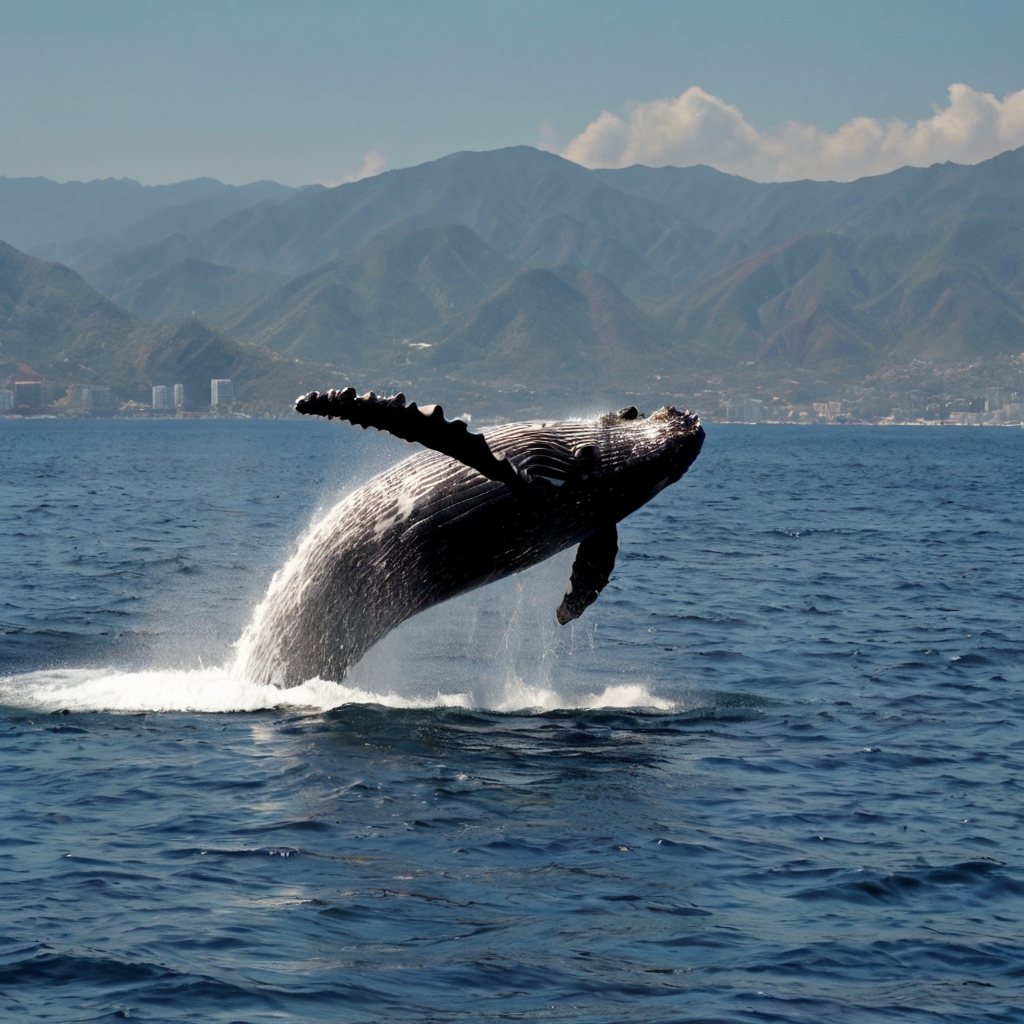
[{"x": 219, "y": 690}]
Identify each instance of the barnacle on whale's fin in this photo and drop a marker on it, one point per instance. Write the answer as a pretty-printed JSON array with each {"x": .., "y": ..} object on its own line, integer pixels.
[
  {"x": 595, "y": 559},
  {"x": 426, "y": 426}
]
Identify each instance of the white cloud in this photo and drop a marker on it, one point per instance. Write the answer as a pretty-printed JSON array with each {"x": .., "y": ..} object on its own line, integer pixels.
[
  {"x": 698, "y": 128},
  {"x": 373, "y": 163}
]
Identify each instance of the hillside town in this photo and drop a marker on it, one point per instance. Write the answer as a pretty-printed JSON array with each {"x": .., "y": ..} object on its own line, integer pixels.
[{"x": 991, "y": 408}]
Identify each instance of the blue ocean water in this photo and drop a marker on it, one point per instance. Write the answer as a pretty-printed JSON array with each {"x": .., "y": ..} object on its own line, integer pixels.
[{"x": 776, "y": 773}]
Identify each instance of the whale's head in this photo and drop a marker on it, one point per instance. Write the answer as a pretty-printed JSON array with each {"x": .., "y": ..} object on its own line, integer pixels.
[
  {"x": 634, "y": 457},
  {"x": 604, "y": 468}
]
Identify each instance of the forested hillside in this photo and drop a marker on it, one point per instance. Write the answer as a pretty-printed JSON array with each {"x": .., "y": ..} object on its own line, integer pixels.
[{"x": 518, "y": 269}]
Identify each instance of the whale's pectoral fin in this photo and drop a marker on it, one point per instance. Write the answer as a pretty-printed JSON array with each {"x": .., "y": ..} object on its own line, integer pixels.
[
  {"x": 426, "y": 426},
  {"x": 595, "y": 559}
]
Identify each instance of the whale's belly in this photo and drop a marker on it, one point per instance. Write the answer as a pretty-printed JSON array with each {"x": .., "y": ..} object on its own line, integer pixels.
[{"x": 418, "y": 534}]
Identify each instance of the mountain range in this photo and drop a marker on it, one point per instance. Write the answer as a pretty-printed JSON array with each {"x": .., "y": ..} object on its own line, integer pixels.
[
  {"x": 56, "y": 327},
  {"x": 516, "y": 270}
]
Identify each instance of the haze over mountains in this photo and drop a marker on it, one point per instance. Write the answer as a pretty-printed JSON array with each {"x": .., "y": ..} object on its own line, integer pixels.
[
  {"x": 59, "y": 221},
  {"x": 516, "y": 269}
]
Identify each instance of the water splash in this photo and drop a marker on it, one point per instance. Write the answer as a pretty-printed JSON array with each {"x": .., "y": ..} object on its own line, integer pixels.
[
  {"x": 219, "y": 690},
  {"x": 497, "y": 648},
  {"x": 206, "y": 690}
]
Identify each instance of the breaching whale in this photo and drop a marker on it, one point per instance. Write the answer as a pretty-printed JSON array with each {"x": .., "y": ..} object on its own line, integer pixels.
[{"x": 474, "y": 508}]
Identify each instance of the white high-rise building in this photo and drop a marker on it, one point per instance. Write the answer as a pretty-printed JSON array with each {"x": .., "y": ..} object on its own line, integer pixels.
[
  {"x": 6, "y": 400},
  {"x": 161, "y": 397},
  {"x": 179, "y": 395},
  {"x": 222, "y": 392},
  {"x": 95, "y": 398}
]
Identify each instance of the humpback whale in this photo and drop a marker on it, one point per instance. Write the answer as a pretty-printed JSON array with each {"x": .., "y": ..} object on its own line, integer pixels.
[{"x": 471, "y": 509}]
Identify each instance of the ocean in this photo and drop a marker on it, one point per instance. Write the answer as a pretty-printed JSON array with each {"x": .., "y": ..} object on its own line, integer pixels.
[{"x": 775, "y": 773}]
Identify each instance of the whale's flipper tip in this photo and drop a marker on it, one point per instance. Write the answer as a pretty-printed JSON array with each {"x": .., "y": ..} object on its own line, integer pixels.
[{"x": 595, "y": 560}]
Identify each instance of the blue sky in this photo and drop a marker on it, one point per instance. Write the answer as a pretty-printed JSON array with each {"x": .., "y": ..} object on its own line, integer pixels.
[{"x": 303, "y": 92}]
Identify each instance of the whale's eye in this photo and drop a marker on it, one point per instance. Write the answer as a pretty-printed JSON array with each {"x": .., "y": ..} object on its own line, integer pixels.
[
  {"x": 631, "y": 412},
  {"x": 587, "y": 456}
]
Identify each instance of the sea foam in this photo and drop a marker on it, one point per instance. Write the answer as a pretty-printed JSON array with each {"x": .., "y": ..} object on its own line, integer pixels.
[{"x": 219, "y": 690}]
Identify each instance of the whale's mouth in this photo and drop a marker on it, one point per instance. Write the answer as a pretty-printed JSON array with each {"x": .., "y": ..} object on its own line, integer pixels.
[
  {"x": 659, "y": 487},
  {"x": 668, "y": 447}
]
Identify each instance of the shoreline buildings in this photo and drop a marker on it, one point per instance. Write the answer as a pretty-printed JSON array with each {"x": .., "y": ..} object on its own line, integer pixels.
[
  {"x": 222, "y": 392},
  {"x": 28, "y": 394},
  {"x": 95, "y": 399},
  {"x": 167, "y": 398}
]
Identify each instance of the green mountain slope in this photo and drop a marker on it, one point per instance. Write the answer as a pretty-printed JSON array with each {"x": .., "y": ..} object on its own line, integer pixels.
[
  {"x": 54, "y": 326},
  {"x": 194, "y": 287},
  {"x": 188, "y": 218},
  {"x": 570, "y": 328},
  {"x": 845, "y": 306},
  {"x": 191, "y": 353},
  {"x": 532, "y": 207},
  {"x": 125, "y": 270},
  {"x": 52, "y": 321},
  {"x": 799, "y": 304},
  {"x": 947, "y": 309},
  {"x": 392, "y": 288},
  {"x": 747, "y": 217}
]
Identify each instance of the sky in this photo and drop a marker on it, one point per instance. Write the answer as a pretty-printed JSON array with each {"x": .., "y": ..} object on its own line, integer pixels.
[{"x": 304, "y": 92}]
